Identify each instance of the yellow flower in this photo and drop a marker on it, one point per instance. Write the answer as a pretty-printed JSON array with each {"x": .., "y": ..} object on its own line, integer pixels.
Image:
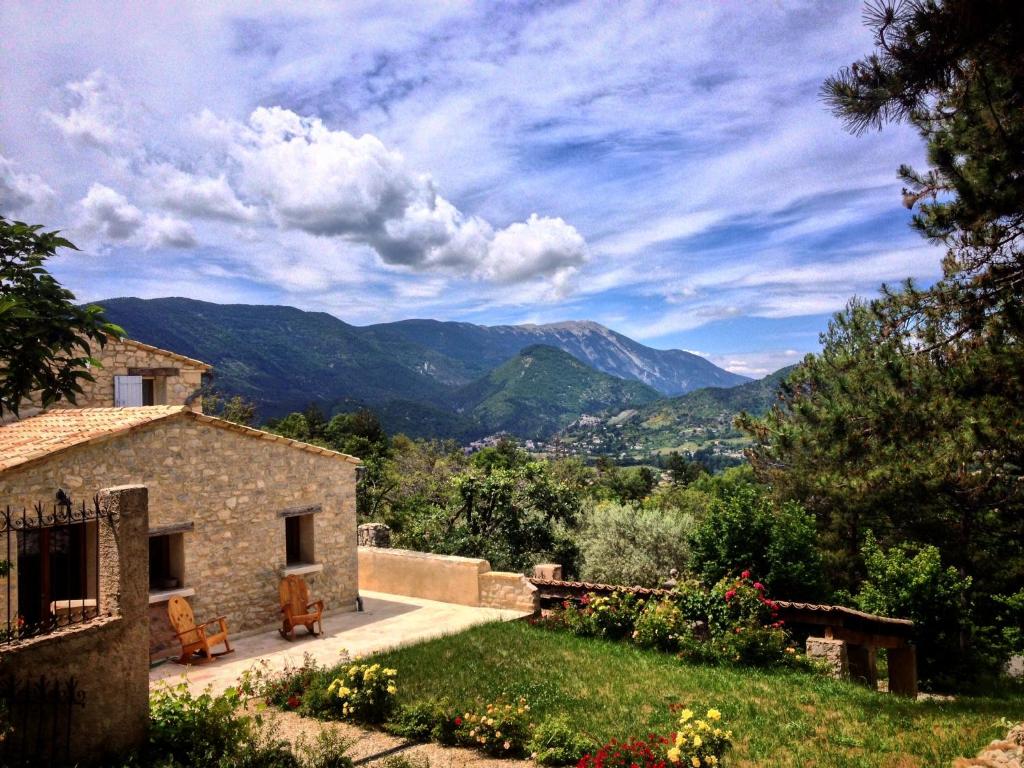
[
  {"x": 717, "y": 731},
  {"x": 695, "y": 761},
  {"x": 497, "y": 734},
  {"x": 702, "y": 725},
  {"x": 680, "y": 739},
  {"x": 697, "y": 741},
  {"x": 711, "y": 760},
  {"x": 673, "y": 754},
  {"x": 685, "y": 715},
  {"x": 392, "y": 689},
  {"x": 714, "y": 714}
]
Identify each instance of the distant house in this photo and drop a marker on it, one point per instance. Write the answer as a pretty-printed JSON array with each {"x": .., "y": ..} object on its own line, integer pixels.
[{"x": 232, "y": 509}]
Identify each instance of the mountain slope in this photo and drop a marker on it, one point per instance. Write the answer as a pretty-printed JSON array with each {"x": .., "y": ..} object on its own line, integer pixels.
[
  {"x": 283, "y": 358},
  {"x": 688, "y": 422},
  {"x": 280, "y": 357},
  {"x": 465, "y": 351},
  {"x": 542, "y": 389}
]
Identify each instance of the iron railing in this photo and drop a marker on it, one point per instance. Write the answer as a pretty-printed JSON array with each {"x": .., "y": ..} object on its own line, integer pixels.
[
  {"x": 49, "y": 567},
  {"x": 36, "y": 717}
]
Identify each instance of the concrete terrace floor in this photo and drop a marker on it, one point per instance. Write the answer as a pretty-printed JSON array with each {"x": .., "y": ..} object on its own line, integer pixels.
[{"x": 387, "y": 621}]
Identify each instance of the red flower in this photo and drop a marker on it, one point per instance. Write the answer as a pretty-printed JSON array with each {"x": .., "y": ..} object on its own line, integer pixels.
[
  {"x": 293, "y": 701},
  {"x": 759, "y": 586},
  {"x": 745, "y": 575},
  {"x": 730, "y": 594}
]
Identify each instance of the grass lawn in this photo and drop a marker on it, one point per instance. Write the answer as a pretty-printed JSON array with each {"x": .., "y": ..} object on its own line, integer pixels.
[{"x": 614, "y": 690}]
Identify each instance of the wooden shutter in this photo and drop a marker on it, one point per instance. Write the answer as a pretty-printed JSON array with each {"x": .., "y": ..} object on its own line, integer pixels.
[{"x": 127, "y": 391}]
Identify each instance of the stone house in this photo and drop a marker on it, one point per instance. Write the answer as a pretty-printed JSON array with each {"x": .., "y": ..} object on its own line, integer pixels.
[
  {"x": 134, "y": 374},
  {"x": 231, "y": 509}
]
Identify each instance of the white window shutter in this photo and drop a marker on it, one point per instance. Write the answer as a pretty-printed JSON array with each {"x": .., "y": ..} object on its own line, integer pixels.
[{"x": 127, "y": 391}]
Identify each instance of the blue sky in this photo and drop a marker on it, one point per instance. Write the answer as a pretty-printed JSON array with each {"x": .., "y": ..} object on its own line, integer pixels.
[{"x": 666, "y": 169}]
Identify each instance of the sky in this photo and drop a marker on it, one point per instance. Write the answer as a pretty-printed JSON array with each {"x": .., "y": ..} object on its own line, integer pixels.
[{"x": 666, "y": 169}]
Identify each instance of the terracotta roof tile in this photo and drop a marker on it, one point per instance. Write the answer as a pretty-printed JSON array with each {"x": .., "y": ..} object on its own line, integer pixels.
[{"x": 50, "y": 432}]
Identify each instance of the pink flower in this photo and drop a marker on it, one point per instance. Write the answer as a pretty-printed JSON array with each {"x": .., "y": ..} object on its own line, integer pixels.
[
  {"x": 730, "y": 594},
  {"x": 745, "y": 575},
  {"x": 759, "y": 586}
]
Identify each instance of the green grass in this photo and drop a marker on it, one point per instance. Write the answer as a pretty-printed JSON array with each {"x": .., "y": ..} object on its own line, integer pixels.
[{"x": 779, "y": 718}]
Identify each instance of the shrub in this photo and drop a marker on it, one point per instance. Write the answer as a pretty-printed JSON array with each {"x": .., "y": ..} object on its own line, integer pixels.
[
  {"x": 699, "y": 741},
  {"x": 745, "y": 529},
  {"x": 635, "y": 753},
  {"x": 911, "y": 583},
  {"x": 425, "y": 721},
  {"x": 502, "y": 729},
  {"x": 633, "y": 546},
  {"x": 611, "y": 616},
  {"x": 288, "y": 687},
  {"x": 405, "y": 761},
  {"x": 364, "y": 693},
  {"x": 661, "y": 624},
  {"x": 196, "y": 730},
  {"x": 555, "y": 742},
  {"x": 328, "y": 750}
]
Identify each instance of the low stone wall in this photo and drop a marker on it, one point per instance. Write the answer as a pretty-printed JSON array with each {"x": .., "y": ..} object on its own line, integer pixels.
[
  {"x": 445, "y": 578},
  {"x": 1008, "y": 753},
  {"x": 507, "y": 590},
  {"x": 108, "y": 657}
]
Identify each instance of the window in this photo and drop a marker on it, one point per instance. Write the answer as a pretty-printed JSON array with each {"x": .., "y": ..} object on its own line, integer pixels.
[
  {"x": 298, "y": 538},
  {"x": 128, "y": 391},
  {"x": 166, "y": 562}
]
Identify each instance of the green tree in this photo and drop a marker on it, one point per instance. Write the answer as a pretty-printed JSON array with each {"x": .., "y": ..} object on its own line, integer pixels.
[
  {"x": 45, "y": 338},
  {"x": 953, "y": 69},
  {"x": 911, "y": 582},
  {"x": 683, "y": 470},
  {"x": 236, "y": 409},
  {"x": 744, "y": 530}
]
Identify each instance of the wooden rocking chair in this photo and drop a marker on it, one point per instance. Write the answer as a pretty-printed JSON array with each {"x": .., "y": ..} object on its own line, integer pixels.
[
  {"x": 297, "y": 608},
  {"x": 194, "y": 637}
]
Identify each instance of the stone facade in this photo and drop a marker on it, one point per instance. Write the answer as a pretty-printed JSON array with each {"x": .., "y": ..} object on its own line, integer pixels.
[
  {"x": 108, "y": 656},
  {"x": 176, "y": 381},
  {"x": 223, "y": 492}
]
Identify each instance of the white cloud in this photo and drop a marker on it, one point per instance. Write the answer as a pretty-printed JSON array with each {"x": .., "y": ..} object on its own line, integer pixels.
[
  {"x": 108, "y": 213},
  {"x": 20, "y": 191},
  {"x": 168, "y": 232},
  {"x": 109, "y": 216},
  {"x": 200, "y": 196},
  {"x": 97, "y": 115},
  {"x": 538, "y": 246},
  {"x": 330, "y": 183}
]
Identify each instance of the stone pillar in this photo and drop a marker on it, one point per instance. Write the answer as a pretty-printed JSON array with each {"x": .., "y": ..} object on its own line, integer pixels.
[
  {"x": 832, "y": 652},
  {"x": 373, "y": 535},
  {"x": 548, "y": 571},
  {"x": 903, "y": 671},
  {"x": 863, "y": 661}
]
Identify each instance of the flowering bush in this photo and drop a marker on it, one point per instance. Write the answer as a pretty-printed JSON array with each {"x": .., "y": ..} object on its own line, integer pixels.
[
  {"x": 555, "y": 742},
  {"x": 746, "y": 603},
  {"x": 501, "y": 729},
  {"x": 636, "y": 753},
  {"x": 699, "y": 741},
  {"x": 286, "y": 688},
  {"x": 364, "y": 693},
  {"x": 612, "y": 616},
  {"x": 661, "y": 624}
]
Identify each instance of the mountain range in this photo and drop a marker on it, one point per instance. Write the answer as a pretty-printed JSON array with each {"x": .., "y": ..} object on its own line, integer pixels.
[{"x": 424, "y": 377}]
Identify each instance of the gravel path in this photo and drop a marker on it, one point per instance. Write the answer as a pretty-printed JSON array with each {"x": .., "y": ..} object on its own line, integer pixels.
[{"x": 369, "y": 746}]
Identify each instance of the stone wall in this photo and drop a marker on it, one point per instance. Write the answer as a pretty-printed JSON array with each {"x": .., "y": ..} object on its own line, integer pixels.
[
  {"x": 117, "y": 358},
  {"x": 508, "y": 590},
  {"x": 445, "y": 578},
  {"x": 232, "y": 486},
  {"x": 109, "y": 656}
]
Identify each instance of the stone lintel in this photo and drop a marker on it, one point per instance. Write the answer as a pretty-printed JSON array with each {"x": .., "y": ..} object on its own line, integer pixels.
[
  {"x": 311, "y": 509},
  {"x": 147, "y": 372},
  {"x": 172, "y": 528}
]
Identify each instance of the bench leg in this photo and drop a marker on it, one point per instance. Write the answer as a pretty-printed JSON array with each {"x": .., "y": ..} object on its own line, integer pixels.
[{"x": 903, "y": 671}]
